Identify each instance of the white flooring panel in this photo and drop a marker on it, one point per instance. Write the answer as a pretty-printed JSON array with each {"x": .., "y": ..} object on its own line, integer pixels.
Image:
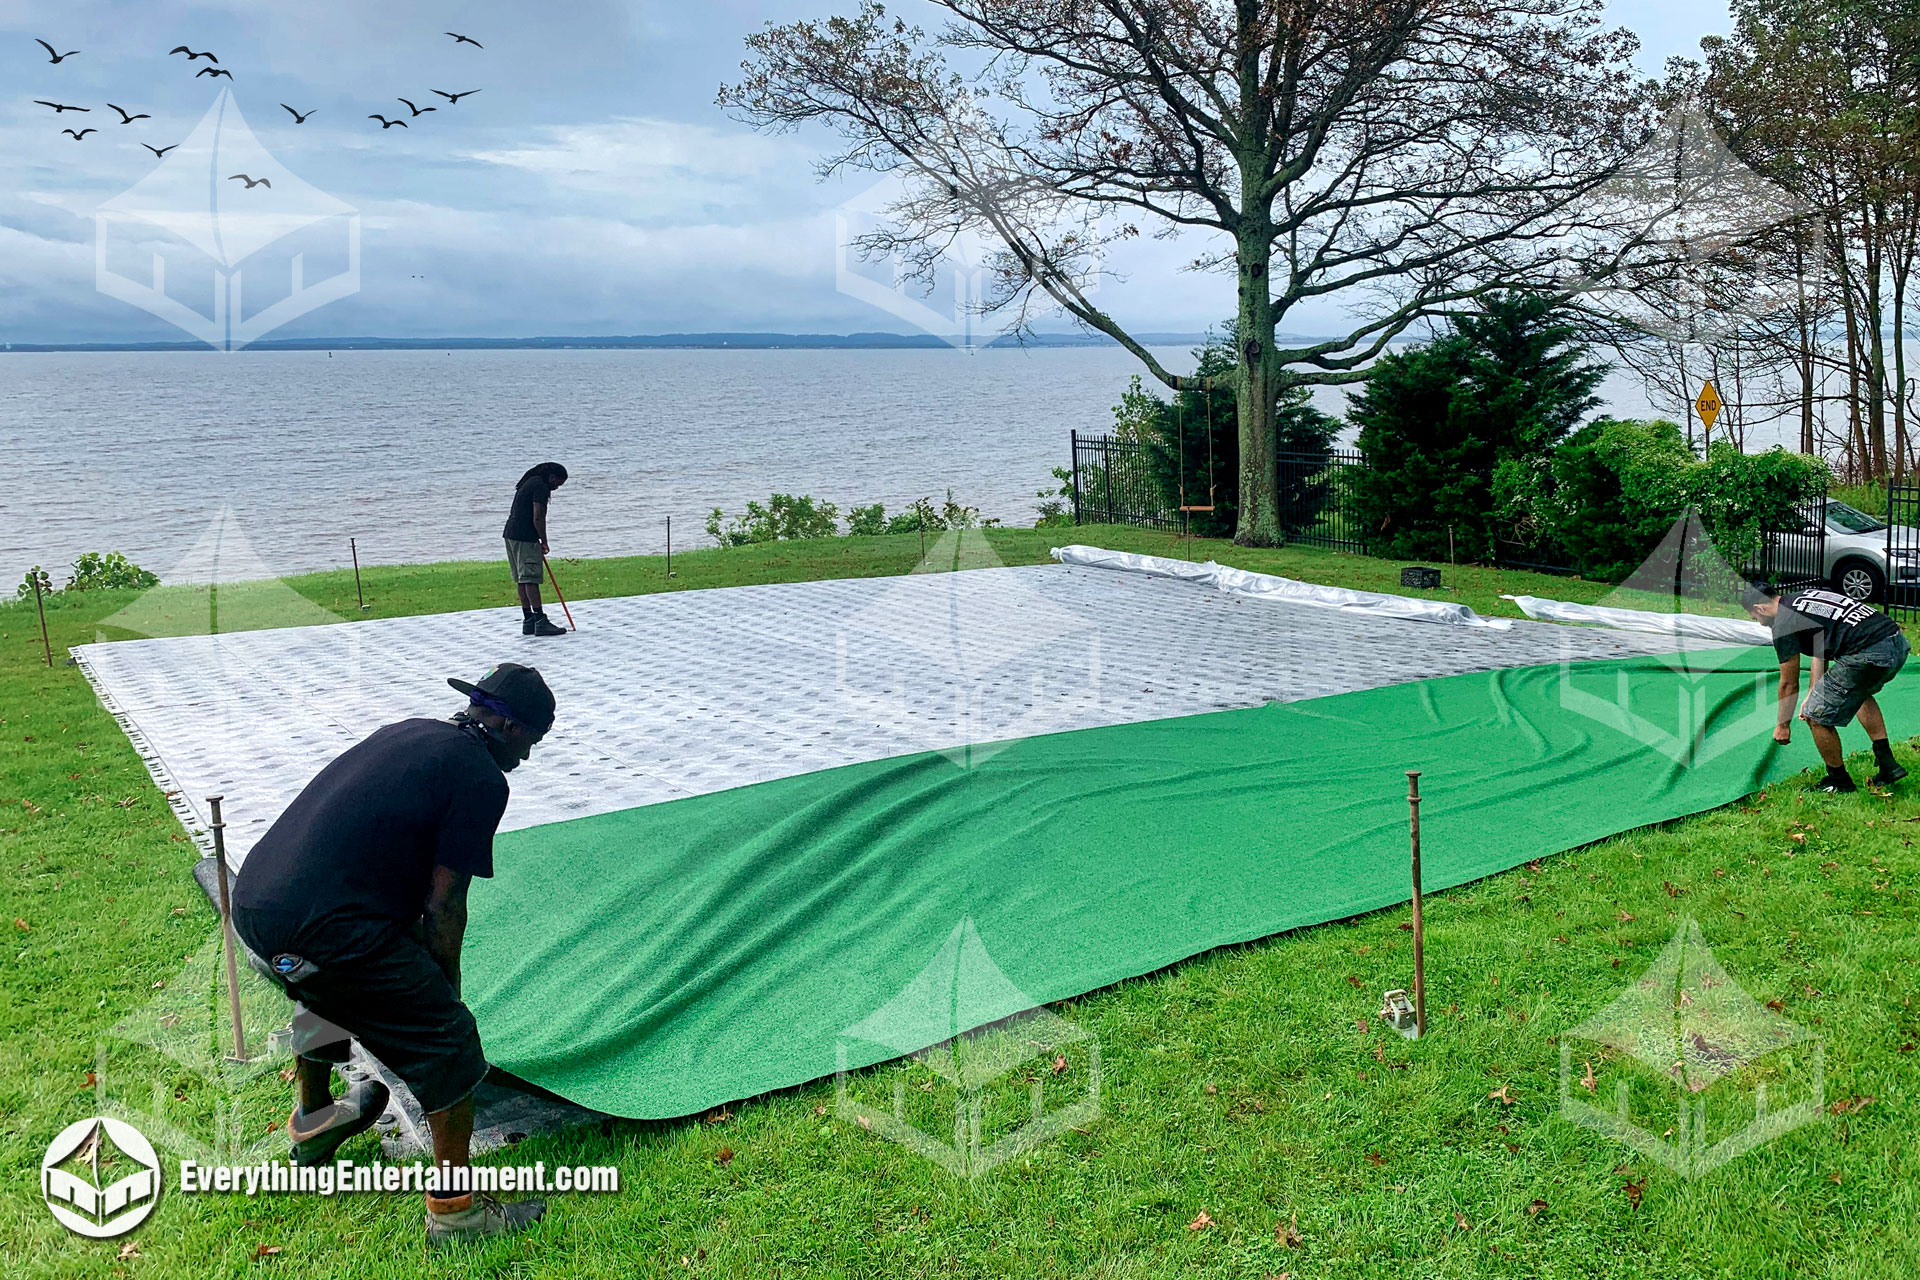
[{"x": 681, "y": 693}]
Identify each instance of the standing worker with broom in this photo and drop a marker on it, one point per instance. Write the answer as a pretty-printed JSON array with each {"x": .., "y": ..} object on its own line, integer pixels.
[{"x": 526, "y": 535}]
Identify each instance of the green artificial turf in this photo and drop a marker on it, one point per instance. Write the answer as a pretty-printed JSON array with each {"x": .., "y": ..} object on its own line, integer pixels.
[{"x": 1250, "y": 1084}]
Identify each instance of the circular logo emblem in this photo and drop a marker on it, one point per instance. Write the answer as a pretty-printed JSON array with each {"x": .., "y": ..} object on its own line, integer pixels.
[{"x": 100, "y": 1177}]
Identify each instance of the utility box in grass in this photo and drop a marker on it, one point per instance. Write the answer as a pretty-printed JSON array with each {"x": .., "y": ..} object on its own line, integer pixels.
[{"x": 1419, "y": 576}]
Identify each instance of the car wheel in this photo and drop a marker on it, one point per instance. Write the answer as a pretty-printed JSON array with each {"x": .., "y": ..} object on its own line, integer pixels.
[{"x": 1860, "y": 580}]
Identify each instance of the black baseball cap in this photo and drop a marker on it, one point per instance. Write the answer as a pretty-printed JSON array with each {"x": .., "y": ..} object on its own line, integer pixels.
[{"x": 521, "y": 690}]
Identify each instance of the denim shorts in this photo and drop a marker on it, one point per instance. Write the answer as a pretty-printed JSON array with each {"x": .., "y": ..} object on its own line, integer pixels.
[{"x": 1849, "y": 681}]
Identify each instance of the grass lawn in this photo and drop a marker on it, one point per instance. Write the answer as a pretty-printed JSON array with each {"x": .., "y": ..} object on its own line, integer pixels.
[{"x": 1248, "y": 1085}]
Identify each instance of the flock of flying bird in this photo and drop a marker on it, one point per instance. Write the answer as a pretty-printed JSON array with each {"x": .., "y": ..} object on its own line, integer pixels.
[{"x": 216, "y": 71}]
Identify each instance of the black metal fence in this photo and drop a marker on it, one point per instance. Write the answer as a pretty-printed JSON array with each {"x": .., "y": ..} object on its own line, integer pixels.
[
  {"x": 1317, "y": 499},
  {"x": 1795, "y": 555},
  {"x": 1113, "y": 483},
  {"x": 1903, "y": 551}
]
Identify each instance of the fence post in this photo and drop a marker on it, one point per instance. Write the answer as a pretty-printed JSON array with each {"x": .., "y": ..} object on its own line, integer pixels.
[
  {"x": 1106, "y": 472},
  {"x": 1074, "y": 436}
]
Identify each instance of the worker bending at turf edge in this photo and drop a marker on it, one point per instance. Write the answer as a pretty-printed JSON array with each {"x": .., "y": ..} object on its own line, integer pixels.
[
  {"x": 1856, "y": 650},
  {"x": 355, "y": 902},
  {"x": 526, "y": 537}
]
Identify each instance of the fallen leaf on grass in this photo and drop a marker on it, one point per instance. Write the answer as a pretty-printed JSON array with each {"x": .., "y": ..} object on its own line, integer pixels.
[
  {"x": 724, "y": 1155},
  {"x": 131, "y": 1249},
  {"x": 1354, "y": 982},
  {"x": 1533, "y": 1210},
  {"x": 1587, "y": 1081},
  {"x": 1622, "y": 917},
  {"x": 1849, "y": 1106},
  {"x": 1375, "y": 1159},
  {"x": 1200, "y": 1223},
  {"x": 719, "y": 1117},
  {"x": 1834, "y": 1177},
  {"x": 266, "y": 1250},
  {"x": 1060, "y": 1066},
  {"x": 1634, "y": 1191},
  {"x": 1501, "y": 1094},
  {"x": 1288, "y": 1233},
  {"x": 21, "y": 925},
  {"x": 287, "y": 1074},
  {"x": 1460, "y": 1221}
]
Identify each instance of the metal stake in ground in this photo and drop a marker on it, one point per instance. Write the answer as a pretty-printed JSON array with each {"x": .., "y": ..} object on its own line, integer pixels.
[
  {"x": 556, "y": 593},
  {"x": 228, "y": 942},
  {"x": 40, "y": 604},
  {"x": 669, "y": 547},
  {"x": 353, "y": 545},
  {"x": 1419, "y": 922}
]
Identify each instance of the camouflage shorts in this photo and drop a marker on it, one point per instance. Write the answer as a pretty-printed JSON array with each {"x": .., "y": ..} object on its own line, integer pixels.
[{"x": 1848, "y": 682}]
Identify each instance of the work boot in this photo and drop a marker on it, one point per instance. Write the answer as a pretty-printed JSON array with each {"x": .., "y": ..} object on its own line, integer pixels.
[
  {"x": 539, "y": 626},
  {"x": 475, "y": 1217},
  {"x": 1888, "y": 775},
  {"x": 1837, "y": 782},
  {"x": 315, "y": 1138},
  {"x": 526, "y": 625}
]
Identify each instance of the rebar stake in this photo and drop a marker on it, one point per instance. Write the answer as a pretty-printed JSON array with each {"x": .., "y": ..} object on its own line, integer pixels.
[
  {"x": 669, "y": 548},
  {"x": 353, "y": 545},
  {"x": 39, "y": 604},
  {"x": 1419, "y": 922},
  {"x": 219, "y": 828}
]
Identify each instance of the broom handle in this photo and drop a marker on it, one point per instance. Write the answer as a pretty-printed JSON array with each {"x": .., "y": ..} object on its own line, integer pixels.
[{"x": 556, "y": 592}]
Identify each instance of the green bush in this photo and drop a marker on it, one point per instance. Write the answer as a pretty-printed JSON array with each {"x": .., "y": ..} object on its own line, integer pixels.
[
  {"x": 94, "y": 571},
  {"x": 1437, "y": 423},
  {"x": 864, "y": 522},
  {"x": 1611, "y": 491},
  {"x": 783, "y": 517}
]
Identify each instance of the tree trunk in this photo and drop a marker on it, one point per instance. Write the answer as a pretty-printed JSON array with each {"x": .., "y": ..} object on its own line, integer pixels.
[{"x": 1258, "y": 392}]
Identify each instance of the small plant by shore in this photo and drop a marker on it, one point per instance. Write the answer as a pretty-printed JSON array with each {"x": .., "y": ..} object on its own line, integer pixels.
[
  {"x": 94, "y": 571},
  {"x": 784, "y": 517}
]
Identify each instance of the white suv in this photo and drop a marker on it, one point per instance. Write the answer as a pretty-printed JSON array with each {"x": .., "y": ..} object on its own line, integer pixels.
[{"x": 1856, "y": 558}]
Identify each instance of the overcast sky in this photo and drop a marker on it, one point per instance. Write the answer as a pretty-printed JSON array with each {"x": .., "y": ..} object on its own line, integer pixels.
[{"x": 591, "y": 187}]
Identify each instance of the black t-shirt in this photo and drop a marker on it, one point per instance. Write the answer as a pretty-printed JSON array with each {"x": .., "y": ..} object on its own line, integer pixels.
[
  {"x": 533, "y": 491},
  {"x": 1828, "y": 625},
  {"x": 353, "y": 855}
]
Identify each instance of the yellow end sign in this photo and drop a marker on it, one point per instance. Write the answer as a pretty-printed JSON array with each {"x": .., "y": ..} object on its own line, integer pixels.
[{"x": 1708, "y": 405}]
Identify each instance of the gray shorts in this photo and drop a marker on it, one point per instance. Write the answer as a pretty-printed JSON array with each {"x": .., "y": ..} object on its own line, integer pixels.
[
  {"x": 524, "y": 559},
  {"x": 1836, "y": 697}
]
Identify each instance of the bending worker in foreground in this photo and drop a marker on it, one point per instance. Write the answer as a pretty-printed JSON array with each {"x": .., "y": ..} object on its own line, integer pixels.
[
  {"x": 356, "y": 899},
  {"x": 1856, "y": 650}
]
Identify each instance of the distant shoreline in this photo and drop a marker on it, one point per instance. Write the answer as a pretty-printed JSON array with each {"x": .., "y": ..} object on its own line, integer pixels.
[{"x": 638, "y": 342}]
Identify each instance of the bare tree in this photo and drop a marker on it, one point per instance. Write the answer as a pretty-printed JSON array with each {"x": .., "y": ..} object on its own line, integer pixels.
[{"x": 1392, "y": 158}]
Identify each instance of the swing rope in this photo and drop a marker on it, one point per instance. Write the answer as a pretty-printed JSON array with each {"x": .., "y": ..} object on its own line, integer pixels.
[{"x": 1212, "y": 479}]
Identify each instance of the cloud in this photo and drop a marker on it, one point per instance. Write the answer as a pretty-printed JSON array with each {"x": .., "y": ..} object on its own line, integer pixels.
[{"x": 663, "y": 168}]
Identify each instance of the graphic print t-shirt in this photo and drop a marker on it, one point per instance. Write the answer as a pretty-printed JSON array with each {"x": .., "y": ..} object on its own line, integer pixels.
[{"x": 1828, "y": 625}]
